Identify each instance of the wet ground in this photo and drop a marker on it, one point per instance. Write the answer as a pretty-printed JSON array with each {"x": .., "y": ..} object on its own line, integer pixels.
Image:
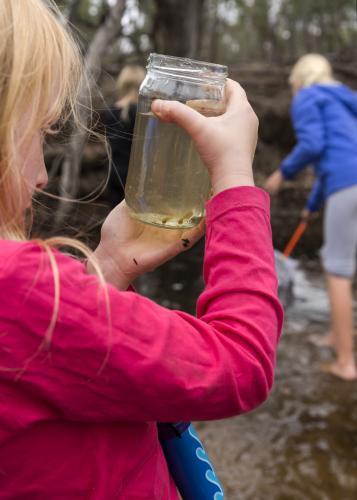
[{"x": 302, "y": 443}]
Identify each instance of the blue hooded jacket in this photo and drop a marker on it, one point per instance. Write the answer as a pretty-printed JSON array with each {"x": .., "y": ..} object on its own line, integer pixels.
[{"x": 325, "y": 124}]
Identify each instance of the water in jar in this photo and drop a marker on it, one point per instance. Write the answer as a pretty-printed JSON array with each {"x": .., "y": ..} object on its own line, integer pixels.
[{"x": 167, "y": 183}]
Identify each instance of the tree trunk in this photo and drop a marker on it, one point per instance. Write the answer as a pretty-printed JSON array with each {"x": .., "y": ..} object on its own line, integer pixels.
[
  {"x": 208, "y": 28},
  {"x": 71, "y": 167},
  {"x": 177, "y": 27}
]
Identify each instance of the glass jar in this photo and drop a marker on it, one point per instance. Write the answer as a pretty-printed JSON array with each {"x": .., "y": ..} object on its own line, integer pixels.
[{"x": 167, "y": 183}]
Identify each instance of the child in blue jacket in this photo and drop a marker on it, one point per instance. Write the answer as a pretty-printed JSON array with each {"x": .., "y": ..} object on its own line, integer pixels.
[{"x": 324, "y": 114}]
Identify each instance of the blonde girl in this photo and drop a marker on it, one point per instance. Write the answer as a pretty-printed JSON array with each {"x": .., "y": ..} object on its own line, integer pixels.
[
  {"x": 324, "y": 115},
  {"x": 87, "y": 368}
]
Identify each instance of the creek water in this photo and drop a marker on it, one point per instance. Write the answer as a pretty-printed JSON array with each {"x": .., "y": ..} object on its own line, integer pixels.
[{"x": 302, "y": 443}]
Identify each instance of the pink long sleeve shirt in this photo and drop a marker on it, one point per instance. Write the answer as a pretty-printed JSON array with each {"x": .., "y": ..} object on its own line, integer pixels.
[{"x": 77, "y": 419}]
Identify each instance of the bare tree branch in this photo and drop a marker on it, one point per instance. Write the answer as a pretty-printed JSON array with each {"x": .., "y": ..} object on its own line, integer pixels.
[{"x": 108, "y": 31}]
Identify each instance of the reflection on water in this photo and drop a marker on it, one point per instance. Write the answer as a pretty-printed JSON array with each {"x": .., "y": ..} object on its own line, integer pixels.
[
  {"x": 302, "y": 443},
  {"x": 310, "y": 298}
]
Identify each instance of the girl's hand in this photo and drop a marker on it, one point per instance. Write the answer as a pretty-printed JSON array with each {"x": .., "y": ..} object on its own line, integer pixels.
[
  {"x": 307, "y": 216},
  {"x": 274, "y": 182},
  {"x": 225, "y": 143},
  {"x": 129, "y": 248}
]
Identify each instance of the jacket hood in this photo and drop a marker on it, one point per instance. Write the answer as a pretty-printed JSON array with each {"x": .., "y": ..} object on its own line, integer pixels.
[{"x": 339, "y": 92}]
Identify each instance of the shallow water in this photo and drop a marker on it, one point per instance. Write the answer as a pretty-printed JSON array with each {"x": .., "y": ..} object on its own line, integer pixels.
[{"x": 302, "y": 443}]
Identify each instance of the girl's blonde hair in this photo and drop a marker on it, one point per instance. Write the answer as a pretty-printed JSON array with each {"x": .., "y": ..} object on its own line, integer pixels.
[
  {"x": 40, "y": 79},
  {"x": 311, "y": 69},
  {"x": 40, "y": 73}
]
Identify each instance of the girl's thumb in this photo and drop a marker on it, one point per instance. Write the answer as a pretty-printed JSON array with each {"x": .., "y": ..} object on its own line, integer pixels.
[{"x": 181, "y": 114}]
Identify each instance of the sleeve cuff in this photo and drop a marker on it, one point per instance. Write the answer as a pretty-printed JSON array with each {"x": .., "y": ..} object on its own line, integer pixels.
[
  {"x": 237, "y": 197},
  {"x": 286, "y": 175},
  {"x": 312, "y": 208}
]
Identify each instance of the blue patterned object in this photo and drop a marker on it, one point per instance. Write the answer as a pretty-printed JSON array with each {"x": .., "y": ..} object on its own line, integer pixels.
[{"x": 188, "y": 462}]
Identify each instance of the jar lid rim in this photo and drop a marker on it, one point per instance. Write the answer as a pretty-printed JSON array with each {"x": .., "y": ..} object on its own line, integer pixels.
[{"x": 185, "y": 64}]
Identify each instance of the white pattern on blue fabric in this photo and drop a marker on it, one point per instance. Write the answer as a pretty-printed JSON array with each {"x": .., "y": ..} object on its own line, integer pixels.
[{"x": 210, "y": 475}]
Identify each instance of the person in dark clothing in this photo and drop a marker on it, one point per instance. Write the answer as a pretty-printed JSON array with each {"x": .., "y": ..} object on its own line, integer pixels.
[{"x": 119, "y": 123}]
